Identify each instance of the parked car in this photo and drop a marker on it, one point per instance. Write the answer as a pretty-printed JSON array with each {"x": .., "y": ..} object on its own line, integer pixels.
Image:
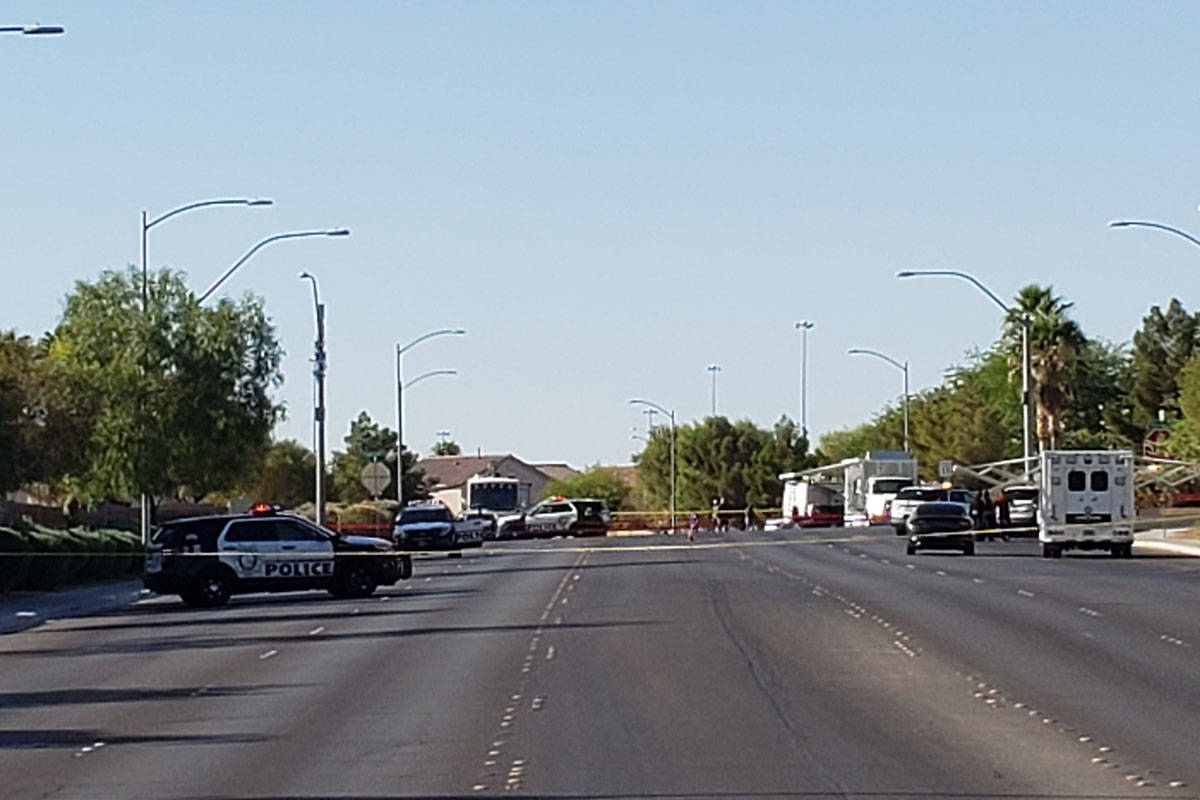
[
  {"x": 432, "y": 526},
  {"x": 1022, "y": 507},
  {"x": 940, "y": 526},
  {"x": 559, "y": 516}
]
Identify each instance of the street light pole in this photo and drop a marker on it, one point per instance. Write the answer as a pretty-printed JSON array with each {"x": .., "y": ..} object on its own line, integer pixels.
[
  {"x": 714, "y": 369},
  {"x": 671, "y": 414},
  {"x": 144, "y": 511},
  {"x": 804, "y": 326},
  {"x": 1026, "y": 362},
  {"x": 277, "y": 237},
  {"x": 860, "y": 351},
  {"x": 400, "y": 403},
  {"x": 400, "y": 423},
  {"x": 319, "y": 367}
]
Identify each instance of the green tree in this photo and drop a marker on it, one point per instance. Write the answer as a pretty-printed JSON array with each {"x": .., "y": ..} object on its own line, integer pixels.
[
  {"x": 716, "y": 459},
  {"x": 1185, "y": 435},
  {"x": 1054, "y": 344},
  {"x": 596, "y": 481},
  {"x": 368, "y": 441},
  {"x": 286, "y": 475},
  {"x": 1165, "y": 343},
  {"x": 447, "y": 448},
  {"x": 178, "y": 399}
]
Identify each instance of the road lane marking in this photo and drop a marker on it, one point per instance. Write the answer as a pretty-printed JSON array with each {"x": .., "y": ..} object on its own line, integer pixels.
[
  {"x": 316, "y": 630},
  {"x": 977, "y": 580},
  {"x": 536, "y": 705},
  {"x": 941, "y": 572},
  {"x": 1090, "y": 612},
  {"x": 550, "y": 653},
  {"x": 1024, "y": 593},
  {"x": 1166, "y": 637},
  {"x": 911, "y": 566},
  {"x": 268, "y": 654}
]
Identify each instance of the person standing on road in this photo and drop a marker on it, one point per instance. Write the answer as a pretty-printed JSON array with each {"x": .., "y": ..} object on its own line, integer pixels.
[{"x": 693, "y": 524}]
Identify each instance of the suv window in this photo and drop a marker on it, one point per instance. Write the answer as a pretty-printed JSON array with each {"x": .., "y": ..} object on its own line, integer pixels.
[
  {"x": 256, "y": 531},
  {"x": 292, "y": 531},
  {"x": 920, "y": 494},
  {"x": 1099, "y": 481},
  {"x": 173, "y": 534},
  {"x": 1076, "y": 480},
  {"x": 412, "y": 516},
  {"x": 592, "y": 510}
]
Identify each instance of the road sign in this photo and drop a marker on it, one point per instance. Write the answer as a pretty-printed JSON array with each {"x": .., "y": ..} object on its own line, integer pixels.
[
  {"x": 1154, "y": 445},
  {"x": 376, "y": 477},
  {"x": 945, "y": 469}
]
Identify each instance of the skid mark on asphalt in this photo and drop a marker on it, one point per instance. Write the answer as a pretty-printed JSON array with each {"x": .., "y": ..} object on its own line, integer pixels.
[{"x": 493, "y": 774}]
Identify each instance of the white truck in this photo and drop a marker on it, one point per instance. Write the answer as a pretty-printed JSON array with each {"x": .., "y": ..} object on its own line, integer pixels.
[
  {"x": 872, "y": 482},
  {"x": 499, "y": 498},
  {"x": 808, "y": 502},
  {"x": 866, "y": 486},
  {"x": 1085, "y": 502}
]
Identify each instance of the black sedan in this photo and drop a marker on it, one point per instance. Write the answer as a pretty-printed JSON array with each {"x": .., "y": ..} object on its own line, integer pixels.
[{"x": 939, "y": 526}]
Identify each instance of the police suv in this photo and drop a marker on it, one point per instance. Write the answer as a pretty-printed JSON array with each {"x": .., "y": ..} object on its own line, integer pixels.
[
  {"x": 204, "y": 560},
  {"x": 560, "y": 516}
]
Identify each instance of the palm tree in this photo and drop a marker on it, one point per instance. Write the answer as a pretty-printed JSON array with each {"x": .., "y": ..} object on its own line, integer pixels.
[{"x": 1054, "y": 344}]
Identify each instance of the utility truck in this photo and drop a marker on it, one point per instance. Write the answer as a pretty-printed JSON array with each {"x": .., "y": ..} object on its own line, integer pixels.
[
  {"x": 809, "y": 503},
  {"x": 1085, "y": 502},
  {"x": 864, "y": 486}
]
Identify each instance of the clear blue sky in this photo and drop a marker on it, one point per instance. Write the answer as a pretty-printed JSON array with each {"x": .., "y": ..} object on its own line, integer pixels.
[{"x": 609, "y": 196}]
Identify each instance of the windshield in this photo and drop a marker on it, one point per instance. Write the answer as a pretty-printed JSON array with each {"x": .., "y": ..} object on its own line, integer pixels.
[
  {"x": 413, "y": 516},
  {"x": 920, "y": 494},
  {"x": 890, "y": 485},
  {"x": 1021, "y": 494},
  {"x": 499, "y": 496}
]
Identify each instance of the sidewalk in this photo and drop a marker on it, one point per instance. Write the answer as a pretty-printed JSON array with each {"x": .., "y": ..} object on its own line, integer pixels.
[
  {"x": 22, "y": 610},
  {"x": 1168, "y": 541}
]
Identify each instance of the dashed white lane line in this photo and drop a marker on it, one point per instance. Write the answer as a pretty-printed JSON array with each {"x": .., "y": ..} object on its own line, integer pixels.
[
  {"x": 941, "y": 572},
  {"x": 316, "y": 630},
  {"x": 977, "y": 580},
  {"x": 911, "y": 566},
  {"x": 1024, "y": 593},
  {"x": 268, "y": 654},
  {"x": 1166, "y": 637},
  {"x": 537, "y": 703},
  {"x": 1089, "y": 611},
  {"x": 550, "y": 653}
]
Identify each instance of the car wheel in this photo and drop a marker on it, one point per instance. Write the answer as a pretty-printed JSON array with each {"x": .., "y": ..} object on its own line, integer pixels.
[
  {"x": 210, "y": 589},
  {"x": 358, "y": 580},
  {"x": 454, "y": 554},
  {"x": 969, "y": 549},
  {"x": 406, "y": 568},
  {"x": 1047, "y": 551},
  {"x": 911, "y": 549}
]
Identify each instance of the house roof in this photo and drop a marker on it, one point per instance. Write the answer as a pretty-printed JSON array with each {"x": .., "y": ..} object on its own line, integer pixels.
[
  {"x": 557, "y": 470},
  {"x": 449, "y": 472}
]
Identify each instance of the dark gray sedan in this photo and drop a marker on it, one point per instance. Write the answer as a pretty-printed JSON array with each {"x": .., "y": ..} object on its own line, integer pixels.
[{"x": 939, "y": 526}]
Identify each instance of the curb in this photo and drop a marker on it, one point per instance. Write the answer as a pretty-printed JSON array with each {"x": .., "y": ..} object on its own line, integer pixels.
[{"x": 1172, "y": 548}]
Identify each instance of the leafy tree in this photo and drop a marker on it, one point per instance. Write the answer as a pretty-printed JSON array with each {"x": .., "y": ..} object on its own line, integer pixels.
[
  {"x": 1054, "y": 344},
  {"x": 286, "y": 475},
  {"x": 597, "y": 481},
  {"x": 716, "y": 459},
  {"x": 367, "y": 442},
  {"x": 177, "y": 398},
  {"x": 1185, "y": 435},
  {"x": 447, "y": 449},
  {"x": 1165, "y": 343}
]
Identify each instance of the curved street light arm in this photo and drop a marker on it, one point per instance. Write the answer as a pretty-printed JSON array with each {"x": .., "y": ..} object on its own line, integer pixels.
[
  {"x": 966, "y": 276},
  {"x": 34, "y": 29},
  {"x": 313, "y": 278},
  {"x": 229, "y": 201},
  {"x": 859, "y": 351},
  {"x": 1137, "y": 223},
  {"x": 636, "y": 401},
  {"x": 430, "y": 374},
  {"x": 277, "y": 237},
  {"x": 443, "y": 332}
]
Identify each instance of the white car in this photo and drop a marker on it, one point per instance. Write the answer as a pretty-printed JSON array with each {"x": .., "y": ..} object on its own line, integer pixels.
[{"x": 559, "y": 516}]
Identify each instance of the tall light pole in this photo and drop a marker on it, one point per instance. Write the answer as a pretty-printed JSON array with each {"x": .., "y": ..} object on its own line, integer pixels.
[
  {"x": 33, "y": 30},
  {"x": 713, "y": 370},
  {"x": 319, "y": 365},
  {"x": 400, "y": 351},
  {"x": 670, "y": 414},
  {"x": 147, "y": 224},
  {"x": 399, "y": 427},
  {"x": 1026, "y": 367},
  {"x": 804, "y": 326},
  {"x": 276, "y": 238},
  {"x": 860, "y": 351},
  {"x": 649, "y": 412}
]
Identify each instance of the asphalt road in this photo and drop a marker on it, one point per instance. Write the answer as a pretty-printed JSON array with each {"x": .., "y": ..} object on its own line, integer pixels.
[{"x": 791, "y": 665}]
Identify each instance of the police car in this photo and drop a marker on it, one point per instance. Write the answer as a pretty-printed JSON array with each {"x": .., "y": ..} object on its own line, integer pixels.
[
  {"x": 558, "y": 516},
  {"x": 430, "y": 525},
  {"x": 204, "y": 560}
]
